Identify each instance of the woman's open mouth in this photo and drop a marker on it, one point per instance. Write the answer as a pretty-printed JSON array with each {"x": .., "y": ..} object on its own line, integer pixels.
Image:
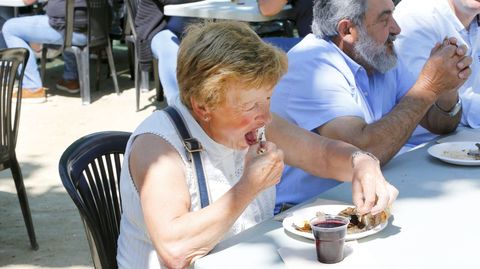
[{"x": 253, "y": 137}]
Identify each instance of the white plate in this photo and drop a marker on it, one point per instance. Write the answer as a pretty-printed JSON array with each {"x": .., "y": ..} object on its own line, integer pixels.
[
  {"x": 310, "y": 212},
  {"x": 454, "y": 152}
]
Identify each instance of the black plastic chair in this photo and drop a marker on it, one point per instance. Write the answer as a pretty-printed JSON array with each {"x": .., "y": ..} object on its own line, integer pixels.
[
  {"x": 90, "y": 172},
  {"x": 141, "y": 77},
  {"x": 12, "y": 61},
  {"x": 98, "y": 39}
]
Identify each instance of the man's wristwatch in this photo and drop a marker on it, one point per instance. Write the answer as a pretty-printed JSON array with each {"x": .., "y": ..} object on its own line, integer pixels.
[{"x": 454, "y": 111}]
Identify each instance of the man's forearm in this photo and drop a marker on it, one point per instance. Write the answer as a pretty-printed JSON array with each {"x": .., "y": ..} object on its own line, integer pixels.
[
  {"x": 387, "y": 136},
  {"x": 446, "y": 69}
]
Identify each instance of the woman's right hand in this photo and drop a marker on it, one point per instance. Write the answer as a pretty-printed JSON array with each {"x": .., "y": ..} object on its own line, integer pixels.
[{"x": 263, "y": 169}]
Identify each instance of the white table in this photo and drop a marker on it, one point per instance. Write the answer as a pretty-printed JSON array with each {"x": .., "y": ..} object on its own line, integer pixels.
[
  {"x": 226, "y": 10},
  {"x": 15, "y": 4},
  {"x": 435, "y": 223},
  {"x": 12, "y": 3}
]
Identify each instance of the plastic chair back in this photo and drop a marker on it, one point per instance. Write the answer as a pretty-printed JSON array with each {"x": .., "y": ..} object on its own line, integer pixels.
[
  {"x": 90, "y": 172},
  {"x": 132, "y": 6},
  {"x": 11, "y": 61},
  {"x": 99, "y": 22},
  {"x": 98, "y": 30}
]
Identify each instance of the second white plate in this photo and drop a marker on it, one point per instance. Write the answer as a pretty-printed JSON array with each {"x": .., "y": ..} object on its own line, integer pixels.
[
  {"x": 454, "y": 152},
  {"x": 310, "y": 212}
]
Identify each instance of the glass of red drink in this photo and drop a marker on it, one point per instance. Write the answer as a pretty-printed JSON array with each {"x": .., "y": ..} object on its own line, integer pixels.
[{"x": 329, "y": 232}]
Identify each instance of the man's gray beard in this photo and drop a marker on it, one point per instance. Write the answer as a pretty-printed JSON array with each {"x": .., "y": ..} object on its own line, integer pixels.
[{"x": 372, "y": 54}]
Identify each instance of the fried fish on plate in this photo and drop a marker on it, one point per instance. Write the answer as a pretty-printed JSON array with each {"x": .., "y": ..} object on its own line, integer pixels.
[
  {"x": 358, "y": 223},
  {"x": 361, "y": 223}
]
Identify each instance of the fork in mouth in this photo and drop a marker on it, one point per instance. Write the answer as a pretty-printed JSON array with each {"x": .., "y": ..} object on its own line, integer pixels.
[{"x": 261, "y": 140}]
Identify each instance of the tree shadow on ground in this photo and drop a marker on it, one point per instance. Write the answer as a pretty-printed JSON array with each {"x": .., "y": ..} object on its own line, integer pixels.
[{"x": 58, "y": 229}]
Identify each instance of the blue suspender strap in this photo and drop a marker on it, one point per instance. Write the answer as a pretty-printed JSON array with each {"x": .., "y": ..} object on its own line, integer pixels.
[{"x": 193, "y": 148}]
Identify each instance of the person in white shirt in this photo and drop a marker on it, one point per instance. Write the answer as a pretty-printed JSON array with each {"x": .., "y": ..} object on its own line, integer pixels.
[{"x": 426, "y": 22}]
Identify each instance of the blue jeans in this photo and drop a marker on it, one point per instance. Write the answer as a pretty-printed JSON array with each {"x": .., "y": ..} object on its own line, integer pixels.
[
  {"x": 17, "y": 32},
  {"x": 165, "y": 47}
]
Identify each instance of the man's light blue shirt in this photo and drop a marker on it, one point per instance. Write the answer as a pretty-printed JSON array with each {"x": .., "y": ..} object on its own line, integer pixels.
[{"x": 322, "y": 84}]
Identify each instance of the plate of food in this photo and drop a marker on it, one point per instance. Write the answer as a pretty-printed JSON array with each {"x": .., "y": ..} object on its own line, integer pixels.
[
  {"x": 298, "y": 222},
  {"x": 460, "y": 153}
]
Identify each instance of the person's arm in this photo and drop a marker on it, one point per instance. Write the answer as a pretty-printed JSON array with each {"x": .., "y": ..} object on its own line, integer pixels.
[
  {"x": 413, "y": 45},
  {"x": 271, "y": 7},
  {"x": 328, "y": 158},
  {"x": 385, "y": 137},
  {"x": 29, "y": 2},
  {"x": 179, "y": 235}
]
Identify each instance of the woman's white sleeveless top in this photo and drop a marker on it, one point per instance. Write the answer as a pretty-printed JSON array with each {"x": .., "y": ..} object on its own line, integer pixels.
[{"x": 223, "y": 168}]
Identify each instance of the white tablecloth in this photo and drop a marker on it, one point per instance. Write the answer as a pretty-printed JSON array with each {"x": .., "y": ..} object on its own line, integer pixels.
[{"x": 226, "y": 10}]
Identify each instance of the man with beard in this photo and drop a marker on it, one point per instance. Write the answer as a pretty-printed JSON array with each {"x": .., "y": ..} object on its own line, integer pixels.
[
  {"x": 424, "y": 23},
  {"x": 344, "y": 82}
]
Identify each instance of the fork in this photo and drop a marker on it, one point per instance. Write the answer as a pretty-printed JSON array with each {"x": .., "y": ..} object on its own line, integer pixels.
[{"x": 475, "y": 153}]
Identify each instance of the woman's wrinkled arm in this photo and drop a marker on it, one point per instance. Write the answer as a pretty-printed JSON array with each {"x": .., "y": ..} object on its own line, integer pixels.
[{"x": 179, "y": 236}]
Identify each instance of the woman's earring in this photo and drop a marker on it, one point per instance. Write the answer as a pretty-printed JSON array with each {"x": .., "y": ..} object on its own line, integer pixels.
[{"x": 206, "y": 118}]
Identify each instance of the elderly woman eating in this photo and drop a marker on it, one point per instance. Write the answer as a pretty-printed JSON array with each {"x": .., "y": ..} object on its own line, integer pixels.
[{"x": 226, "y": 76}]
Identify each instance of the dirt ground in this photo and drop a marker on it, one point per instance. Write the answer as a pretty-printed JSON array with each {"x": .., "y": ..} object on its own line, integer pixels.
[{"x": 45, "y": 132}]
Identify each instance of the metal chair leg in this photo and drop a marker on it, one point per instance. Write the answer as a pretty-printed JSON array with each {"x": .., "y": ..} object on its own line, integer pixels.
[
  {"x": 23, "y": 199},
  {"x": 141, "y": 81},
  {"x": 137, "y": 81},
  {"x": 131, "y": 59},
  {"x": 158, "y": 85},
  {"x": 111, "y": 63},
  {"x": 144, "y": 81},
  {"x": 97, "y": 75},
  {"x": 83, "y": 57},
  {"x": 43, "y": 63}
]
